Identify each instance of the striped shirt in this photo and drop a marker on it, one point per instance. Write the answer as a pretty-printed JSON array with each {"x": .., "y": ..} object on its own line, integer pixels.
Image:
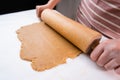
[{"x": 101, "y": 15}]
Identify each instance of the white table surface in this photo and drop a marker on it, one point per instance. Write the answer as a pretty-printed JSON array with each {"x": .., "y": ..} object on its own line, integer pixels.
[{"x": 13, "y": 68}]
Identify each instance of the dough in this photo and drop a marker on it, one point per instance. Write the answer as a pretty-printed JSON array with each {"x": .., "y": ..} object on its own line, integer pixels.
[{"x": 44, "y": 47}]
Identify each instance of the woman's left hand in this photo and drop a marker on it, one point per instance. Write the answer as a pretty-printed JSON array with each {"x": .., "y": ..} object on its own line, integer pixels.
[{"x": 107, "y": 55}]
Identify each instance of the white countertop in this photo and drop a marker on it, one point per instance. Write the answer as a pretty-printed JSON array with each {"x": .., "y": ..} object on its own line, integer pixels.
[{"x": 13, "y": 68}]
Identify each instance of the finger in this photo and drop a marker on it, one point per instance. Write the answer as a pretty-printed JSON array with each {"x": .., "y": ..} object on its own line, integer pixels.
[
  {"x": 117, "y": 70},
  {"x": 37, "y": 10},
  {"x": 97, "y": 52},
  {"x": 104, "y": 58},
  {"x": 111, "y": 65}
]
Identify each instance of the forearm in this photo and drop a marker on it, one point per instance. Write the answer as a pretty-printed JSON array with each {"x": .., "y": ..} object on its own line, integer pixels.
[{"x": 52, "y": 3}]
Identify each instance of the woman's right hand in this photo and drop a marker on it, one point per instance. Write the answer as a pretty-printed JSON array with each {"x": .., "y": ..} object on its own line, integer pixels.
[
  {"x": 40, "y": 8},
  {"x": 51, "y": 4}
]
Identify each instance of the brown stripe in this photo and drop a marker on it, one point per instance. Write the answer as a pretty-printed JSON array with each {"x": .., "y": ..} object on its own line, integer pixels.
[
  {"x": 100, "y": 28},
  {"x": 105, "y": 31},
  {"x": 101, "y": 20},
  {"x": 105, "y": 15},
  {"x": 111, "y": 9},
  {"x": 116, "y": 2},
  {"x": 81, "y": 17}
]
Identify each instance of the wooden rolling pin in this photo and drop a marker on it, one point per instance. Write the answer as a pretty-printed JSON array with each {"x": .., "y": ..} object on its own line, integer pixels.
[{"x": 79, "y": 35}]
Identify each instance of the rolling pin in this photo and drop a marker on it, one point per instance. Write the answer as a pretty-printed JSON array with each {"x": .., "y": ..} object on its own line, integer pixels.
[{"x": 79, "y": 35}]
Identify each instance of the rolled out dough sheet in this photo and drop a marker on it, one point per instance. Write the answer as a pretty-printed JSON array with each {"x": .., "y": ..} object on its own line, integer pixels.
[{"x": 44, "y": 47}]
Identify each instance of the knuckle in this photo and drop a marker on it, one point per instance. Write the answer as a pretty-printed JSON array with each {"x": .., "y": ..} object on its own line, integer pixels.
[
  {"x": 117, "y": 71},
  {"x": 107, "y": 67},
  {"x": 99, "y": 62}
]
